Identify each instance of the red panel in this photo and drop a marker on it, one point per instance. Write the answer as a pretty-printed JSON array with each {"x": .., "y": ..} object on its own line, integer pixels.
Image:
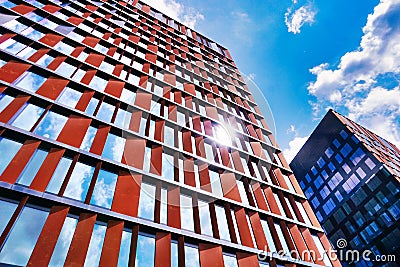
[
  {"x": 52, "y": 87},
  {"x": 95, "y": 59},
  {"x": 88, "y": 76},
  {"x": 134, "y": 38},
  {"x": 74, "y": 130},
  {"x": 174, "y": 215},
  {"x": 18, "y": 163},
  {"x": 143, "y": 100},
  {"x": 84, "y": 100},
  {"x": 38, "y": 54},
  {"x": 299, "y": 242},
  {"x": 51, "y": 8},
  {"x": 56, "y": 62},
  {"x": 163, "y": 250},
  {"x": 47, "y": 240},
  {"x": 247, "y": 259},
  {"x": 112, "y": 243},
  {"x": 75, "y": 20},
  {"x": 91, "y": 7},
  {"x": 259, "y": 196},
  {"x": 229, "y": 186},
  {"x": 51, "y": 39},
  {"x": 271, "y": 201},
  {"x": 118, "y": 69},
  {"x": 327, "y": 247},
  {"x": 258, "y": 231},
  {"x": 204, "y": 177},
  {"x": 127, "y": 190},
  {"x": 146, "y": 9},
  {"x": 135, "y": 120},
  {"x": 91, "y": 41},
  {"x": 100, "y": 139},
  {"x": 190, "y": 88},
  {"x": 13, "y": 107},
  {"x": 12, "y": 70},
  {"x": 170, "y": 78},
  {"x": 244, "y": 230},
  {"x": 47, "y": 169},
  {"x": 211, "y": 255},
  {"x": 151, "y": 57},
  {"x": 80, "y": 242},
  {"x": 188, "y": 166},
  {"x": 311, "y": 245},
  {"x": 114, "y": 88},
  {"x": 156, "y": 159},
  {"x": 23, "y": 9},
  {"x": 134, "y": 152}
]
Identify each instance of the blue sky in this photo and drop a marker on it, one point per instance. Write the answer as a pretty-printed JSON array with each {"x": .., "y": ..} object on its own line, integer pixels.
[{"x": 309, "y": 56}]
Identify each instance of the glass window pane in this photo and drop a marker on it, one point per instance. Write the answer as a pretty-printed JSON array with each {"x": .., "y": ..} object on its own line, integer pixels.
[
  {"x": 164, "y": 206},
  {"x": 51, "y": 125},
  {"x": 205, "y": 218},
  {"x": 192, "y": 256},
  {"x": 186, "y": 213},
  {"x": 114, "y": 147},
  {"x": 123, "y": 118},
  {"x": 63, "y": 242},
  {"x": 27, "y": 117},
  {"x": 12, "y": 148},
  {"x": 69, "y": 97},
  {"x": 30, "y": 81},
  {"x": 145, "y": 251},
  {"x": 169, "y": 136},
  {"x": 22, "y": 239},
  {"x": 242, "y": 192},
  {"x": 222, "y": 223},
  {"x": 59, "y": 175},
  {"x": 230, "y": 260},
  {"x": 88, "y": 139},
  {"x": 95, "y": 245},
  {"x": 79, "y": 181},
  {"x": 167, "y": 166},
  {"x": 282, "y": 239},
  {"x": 5, "y": 100},
  {"x": 174, "y": 254},
  {"x": 124, "y": 251},
  {"x": 216, "y": 184},
  {"x": 105, "y": 112},
  {"x": 267, "y": 232},
  {"x": 147, "y": 201},
  {"x": 103, "y": 192},
  {"x": 32, "y": 167},
  {"x": 7, "y": 210}
]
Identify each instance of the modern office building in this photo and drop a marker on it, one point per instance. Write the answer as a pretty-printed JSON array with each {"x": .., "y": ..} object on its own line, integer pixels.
[
  {"x": 351, "y": 177},
  {"x": 127, "y": 139}
]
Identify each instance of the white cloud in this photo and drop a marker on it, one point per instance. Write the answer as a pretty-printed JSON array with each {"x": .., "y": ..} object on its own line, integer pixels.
[
  {"x": 296, "y": 18},
  {"x": 365, "y": 84},
  {"x": 189, "y": 16},
  {"x": 294, "y": 147}
]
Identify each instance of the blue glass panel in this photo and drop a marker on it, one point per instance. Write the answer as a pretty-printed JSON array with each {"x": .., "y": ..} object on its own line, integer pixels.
[
  {"x": 7, "y": 209},
  {"x": 114, "y": 147},
  {"x": 124, "y": 251},
  {"x": 59, "y": 175},
  {"x": 79, "y": 181},
  {"x": 30, "y": 81},
  {"x": 145, "y": 251},
  {"x": 51, "y": 125},
  {"x": 32, "y": 167},
  {"x": 12, "y": 148},
  {"x": 27, "y": 117},
  {"x": 103, "y": 192},
  {"x": 95, "y": 246},
  {"x": 63, "y": 242},
  {"x": 147, "y": 201},
  {"x": 192, "y": 256}
]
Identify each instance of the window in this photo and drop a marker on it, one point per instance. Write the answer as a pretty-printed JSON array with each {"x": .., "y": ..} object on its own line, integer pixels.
[
  {"x": 147, "y": 201},
  {"x": 230, "y": 260},
  {"x": 69, "y": 97},
  {"x": 346, "y": 149},
  {"x": 105, "y": 112},
  {"x": 357, "y": 156},
  {"x": 51, "y": 125},
  {"x": 167, "y": 166},
  {"x": 95, "y": 246},
  {"x": 5, "y": 100},
  {"x": 30, "y": 81},
  {"x": 164, "y": 206},
  {"x": 282, "y": 239},
  {"x": 103, "y": 192},
  {"x": 222, "y": 223},
  {"x": 125, "y": 248},
  {"x": 123, "y": 118},
  {"x": 27, "y": 117},
  {"x": 92, "y": 106},
  {"x": 329, "y": 206},
  {"x": 321, "y": 162},
  {"x": 343, "y": 134},
  {"x": 205, "y": 218},
  {"x": 7, "y": 210},
  {"x": 242, "y": 192},
  {"x": 145, "y": 250},
  {"x": 187, "y": 222},
  {"x": 114, "y": 147},
  {"x": 23, "y": 236},
  {"x": 65, "y": 69},
  {"x": 329, "y": 152},
  {"x": 79, "y": 182},
  {"x": 215, "y": 183},
  {"x": 318, "y": 182},
  {"x": 64, "y": 240},
  {"x": 59, "y": 175},
  {"x": 191, "y": 256},
  {"x": 12, "y": 147},
  {"x": 98, "y": 83},
  {"x": 32, "y": 167},
  {"x": 338, "y": 158},
  {"x": 336, "y": 143},
  {"x": 370, "y": 163}
]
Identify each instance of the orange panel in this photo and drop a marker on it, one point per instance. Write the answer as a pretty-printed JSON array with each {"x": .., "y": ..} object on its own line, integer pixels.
[
  {"x": 52, "y": 87},
  {"x": 51, "y": 8},
  {"x": 80, "y": 241},
  {"x": 174, "y": 215},
  {"x": 84, "y": 100},
  {"x": 156, "y": 159},
  {"x": 247, "y": 259},
  {"x": 143, "y": 100},
  {"x": 23, "y": 9},
  {"x": 134, "y": 38},
  {"x": 18, "y": 163},
  {"x": 229, "y": 186},
  {"x": 112, "y": 243},
  {"x": 188, "y": 166},
  {"x": 170, "y": 78},
  {"x": 74, "y": 130},
  {"x": 47, "y": 240},
  {"x": 13, "y": 107},
  {"x": 49, "y": 165},
  {"x": 95, "y": 59},
  {"x": 88, "y": 76},
  {"x": 134, "y": 151},
  {"x": 211, "y": 255},
  {"x": 91, "y": 41},
  {"x": 114, "y": 88},
  {"x": 56, "y": 62},
  {"x": 151, "y": 57},
  {"x": 12, "y": 70},
  {"x": 244, "y": 230},
  {"x": 51, "y": 39},
  {"x": 259, "y": 196},
  {"x": 163, "y": 250},
  {"x": 127, "y": 190},
  {"x": 38, "y": 54},
  {"x": 75, "y": 20},
  {"x": 100, "y": 139},
  {"x": 258, "y": 231}
]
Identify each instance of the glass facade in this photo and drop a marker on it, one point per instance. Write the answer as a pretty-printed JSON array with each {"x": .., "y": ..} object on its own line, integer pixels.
[
  {"x": 347, "y": 181},
  {"x": 114, "y": 152}
]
